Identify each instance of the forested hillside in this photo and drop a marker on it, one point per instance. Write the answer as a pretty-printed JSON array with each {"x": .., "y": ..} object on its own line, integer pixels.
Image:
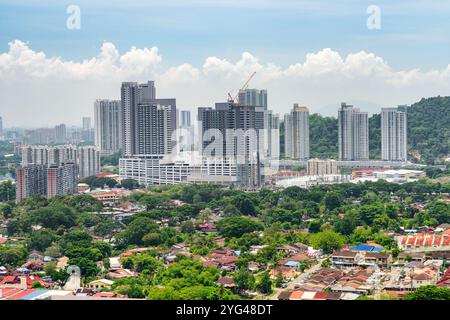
[{"x": 429, "y": 129}]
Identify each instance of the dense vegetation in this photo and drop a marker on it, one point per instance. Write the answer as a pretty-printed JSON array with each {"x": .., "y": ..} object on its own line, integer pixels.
[
  {"x": 111, "y": 160},
  {"x": 323, "y": 133},
  {"x": 8, "y": 162},
  {"x": 429, "y": 128},
  {"x": 429, "y": 293}
]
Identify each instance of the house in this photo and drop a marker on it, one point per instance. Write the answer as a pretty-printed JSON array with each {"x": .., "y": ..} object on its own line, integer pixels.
[
  {"x": 296, "y": 295},
  {"x": 219, "y": 241},
  {"x": 443, "y": 227},
  {"x": 121, "y": 273},
  {"x": 62, "y": 263},
  {"x": 300, "y": 257},
  {"x": 105, "y": 295},
  {"x": 226, "y": 282},
  {"x": 294, "y": 248},
  {"x": 255, "y": 249},
  {"x": 429, "y": 275},
  {"x": 255, "y": 267},
  {"x": 22, "y": 282},
  {"x": 425, "y": 242},
  {"x": 321, "y": 279},
  {"x": 439, "y": 255},
  {"x": 83, "y": 292},
  {"x": 207, "y": 227},
  {"x": 343, "y": 259},
  {"x": 179, "y": 247},
  {"x": 224, "y": 252},
  {"x": 130, "y": 252},
  {"x": 31, "y": 266},
  {"x": 100, "y": 284},
  {"x": 114, "y": 263},
  {"x": 226, "y": 263},
  {"x": 284, "y": 295},
  {"x": 310, "y": 295},
  {"x": 382, "y": 260},
  {"x": 404, "y": 257},
  {"x": 292, "y": 264},
  {"x": 367, "y": 248},
  {"x": 35, "y": 257},
  {"x": 355, "y": 281},
  {"x": 3, "y": 270},
  {"x": 412, "y": 277},
  {"x": 444, "y": 281},
  {"x": 285, "y": 272}
]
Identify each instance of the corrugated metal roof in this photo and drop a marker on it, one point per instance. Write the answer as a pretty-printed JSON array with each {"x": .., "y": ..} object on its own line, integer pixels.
[{"x": 33, "y": 295}]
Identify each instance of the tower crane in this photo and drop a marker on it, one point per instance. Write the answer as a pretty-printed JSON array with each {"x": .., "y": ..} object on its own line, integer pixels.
[{"x": 235, "y": 99}]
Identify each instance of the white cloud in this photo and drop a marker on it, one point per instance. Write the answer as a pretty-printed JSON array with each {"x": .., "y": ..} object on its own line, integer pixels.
[{"x": 39, "y": 90}]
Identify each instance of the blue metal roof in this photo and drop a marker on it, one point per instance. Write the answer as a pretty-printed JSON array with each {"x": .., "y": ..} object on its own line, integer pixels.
[
  {"x": 292, "y": 263},
  {"x": 33, "y": 295},
  {"x": 365, "y": 247}
]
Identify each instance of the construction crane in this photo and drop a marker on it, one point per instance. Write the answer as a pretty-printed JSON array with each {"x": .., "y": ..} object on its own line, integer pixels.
[{"x": 244, "y": 87}]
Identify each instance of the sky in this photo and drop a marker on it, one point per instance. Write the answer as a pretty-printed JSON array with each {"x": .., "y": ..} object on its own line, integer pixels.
[{"x": 316, "y": 53}]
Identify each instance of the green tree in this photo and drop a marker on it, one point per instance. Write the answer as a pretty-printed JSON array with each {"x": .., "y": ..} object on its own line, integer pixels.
[
  {"x": 40, "y": 240},
  {"x": 243, "y": 280},
  {"x": 327, "y": 241},
  {"x": 12, "y": 256},
  {"x": 136, "y": 230},
  {"x": 429, "y": 293},
  {"x": 279, "y": 280},
  {"x": 7, "y": 191},
  {"x": 129, "y": 184},
  {"x": 332, "y": 200},
  {"x": 265, "y": 284},
  {"x": 188, "y": 227},
  {"x": 237, "y": 226}
]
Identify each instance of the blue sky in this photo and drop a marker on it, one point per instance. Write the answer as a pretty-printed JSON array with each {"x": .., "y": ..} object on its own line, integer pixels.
[
  {"x": 198, "y": 50},
  {"x": 414, "y": 34}
]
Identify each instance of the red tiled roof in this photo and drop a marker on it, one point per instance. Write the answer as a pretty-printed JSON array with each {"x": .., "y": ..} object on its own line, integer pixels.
[
  {"x": 226, "y": 260},
  {"x": 105, "y": 294},
  {"x": 320, "y": 295},
  {"x": 427, "y": 240},
  {"x": 8, "y": 279},
  {"x": 296, "y": 295},
  {"x": 9, "y": 291}
]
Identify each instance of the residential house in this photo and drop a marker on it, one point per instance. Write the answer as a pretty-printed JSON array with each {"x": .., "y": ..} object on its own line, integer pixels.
[
  {"x": 425, "y": 242},
  {"x": 226, "y": 282},
  {"x": 321, "y": 279},
  {"x": 101, "y": 284},
  {"x": 35, "y": 257},
  {"x": 343, "y": 259},
  {"x": 382, "y": 260},
  {"x": 444, "y": 281},
  {"x": 121, "y": 273},
  {"x": 355, "y": 281},
  {"x": 285, "y": 272},
  {"x": 403, "y": 257},
  {"x": 284, "y": 295}
]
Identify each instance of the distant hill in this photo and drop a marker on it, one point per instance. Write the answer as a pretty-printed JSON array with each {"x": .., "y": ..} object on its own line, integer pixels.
[
  {"x": 428, "y": 132},
  {"x": 429, "y": 129}
]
